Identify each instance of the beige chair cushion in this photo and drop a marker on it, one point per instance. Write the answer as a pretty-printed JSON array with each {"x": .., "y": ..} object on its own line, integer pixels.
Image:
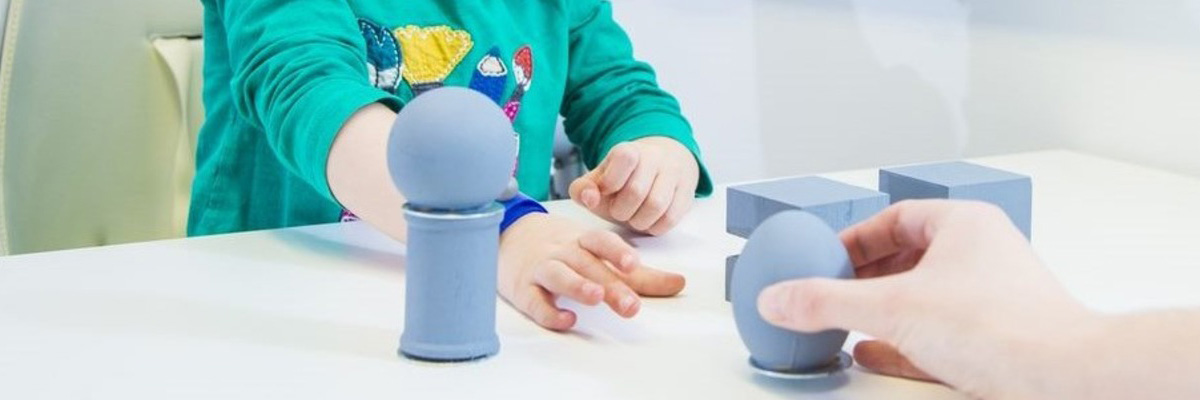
[
  {"x": 184, "y": 56},
  {"x": 97, "y": 121}
]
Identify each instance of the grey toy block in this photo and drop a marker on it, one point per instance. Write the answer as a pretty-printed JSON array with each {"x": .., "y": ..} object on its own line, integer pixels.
[
  {"x": 451, "y": 152},
  {"x": 789, "y": 245},
  {"x": 837, "y": 204},
  {"x": 729, "y": 263},
  {"x": 963, "y": 181}
]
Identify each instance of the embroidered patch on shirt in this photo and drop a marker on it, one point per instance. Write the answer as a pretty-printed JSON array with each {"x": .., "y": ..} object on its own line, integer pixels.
[
  {"x": 512, "y": 109},
  {"x": 522, "y": 66},
  {"x": 431, "y": 54},
  {"x": 491, "y": 76},
  {"x": 384, "y": 62}
]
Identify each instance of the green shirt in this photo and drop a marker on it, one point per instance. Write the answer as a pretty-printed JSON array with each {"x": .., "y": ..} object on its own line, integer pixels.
[{"x": 282, "y": 76}]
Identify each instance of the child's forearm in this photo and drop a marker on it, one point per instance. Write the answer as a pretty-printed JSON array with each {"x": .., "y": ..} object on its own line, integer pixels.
[{"x": 358, "y": 174}]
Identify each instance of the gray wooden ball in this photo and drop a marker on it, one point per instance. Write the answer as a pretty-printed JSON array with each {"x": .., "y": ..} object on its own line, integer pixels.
[
  {"x": 451, "y": 149},
  {"x": 789, "y": 245}
]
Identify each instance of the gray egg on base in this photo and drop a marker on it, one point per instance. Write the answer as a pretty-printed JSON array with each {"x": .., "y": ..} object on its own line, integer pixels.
[{"x": 788, "y": 245}]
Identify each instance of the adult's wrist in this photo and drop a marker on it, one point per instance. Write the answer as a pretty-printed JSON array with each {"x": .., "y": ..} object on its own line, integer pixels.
[{"x": 1073, "y": 359}]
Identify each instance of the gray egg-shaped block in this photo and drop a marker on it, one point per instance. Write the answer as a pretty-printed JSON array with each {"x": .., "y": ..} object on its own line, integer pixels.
[
  {"x": 451, "y": 148},
  {"x": 789, "y": 245},
  {"x": 961, "y": 180},
  {"x": 838, "y": 204}
]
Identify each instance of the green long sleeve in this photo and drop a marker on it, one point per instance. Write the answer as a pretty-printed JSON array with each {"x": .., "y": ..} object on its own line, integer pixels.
[
  {"x": 612, "y": 97},
  {"x": 298, "y": 74},
  {"x": 283, "y": 76}
]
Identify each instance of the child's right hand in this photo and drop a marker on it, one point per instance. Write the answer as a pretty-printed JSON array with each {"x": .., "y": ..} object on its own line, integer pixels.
[
  {"x": 543, "y": 257},
  {"x": 646, "y": 185}
]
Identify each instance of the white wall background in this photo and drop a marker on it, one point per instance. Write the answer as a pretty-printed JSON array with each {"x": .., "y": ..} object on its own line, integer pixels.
[
  {"x": 1122, "y": 79},
  {"x": 703, "y": 51},
  {"x": 836, "y": 84}
]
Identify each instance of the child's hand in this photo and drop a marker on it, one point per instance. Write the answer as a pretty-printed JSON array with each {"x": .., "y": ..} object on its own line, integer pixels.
[
  {"x": 647, "y": 184},
  {"x": 543, "y": 256}
]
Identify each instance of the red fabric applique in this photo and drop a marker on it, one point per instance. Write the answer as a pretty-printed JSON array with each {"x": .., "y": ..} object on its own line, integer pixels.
[{"x": 522, "y": 66}]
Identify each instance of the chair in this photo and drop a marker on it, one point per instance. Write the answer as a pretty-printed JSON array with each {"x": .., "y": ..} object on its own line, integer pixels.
[{"x": 99, "y": 108}]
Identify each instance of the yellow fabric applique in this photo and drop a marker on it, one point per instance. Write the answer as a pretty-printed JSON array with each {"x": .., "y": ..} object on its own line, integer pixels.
[{"x": 431, "y": 53}]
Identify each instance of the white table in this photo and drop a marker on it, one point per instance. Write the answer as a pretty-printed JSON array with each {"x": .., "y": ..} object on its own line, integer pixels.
[{"x": 316, "y": 312}]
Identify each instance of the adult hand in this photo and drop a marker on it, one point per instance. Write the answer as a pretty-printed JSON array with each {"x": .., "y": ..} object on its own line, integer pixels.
[{"x": 954, "y": 293}]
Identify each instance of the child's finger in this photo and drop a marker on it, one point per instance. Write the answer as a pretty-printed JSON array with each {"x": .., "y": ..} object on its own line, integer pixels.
[
  {"x": 652, "y": 282},
  {"x": 538, "y": 304},
  {"x": 610, "y": 247},
  {"x": 630, "y": 198},
  {"x": 680, "y": 205},
  {"x": 637, "y": 277},
  {"x": 662, "y": 194},
  {"x": 623, "y": 300},
  {"x": 560, "y": 279},
  {"x": 585, "y": 192},
  {"x": 617, "y": 168}
]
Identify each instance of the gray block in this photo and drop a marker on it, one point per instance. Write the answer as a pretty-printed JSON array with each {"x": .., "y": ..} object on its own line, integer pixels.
[
  {"x": 838, "y": 204},
  {"x": 729, "y": 263},
  {"x": 963, "y": 181},
  {"x": 790, "y": 245}
]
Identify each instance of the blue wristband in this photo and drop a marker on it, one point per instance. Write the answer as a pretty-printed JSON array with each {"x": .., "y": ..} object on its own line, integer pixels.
[{"x": 517, "y": 207}]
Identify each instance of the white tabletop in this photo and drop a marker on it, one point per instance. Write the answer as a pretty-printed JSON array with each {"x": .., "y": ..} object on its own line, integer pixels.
[{"x": 316, "y": 312}]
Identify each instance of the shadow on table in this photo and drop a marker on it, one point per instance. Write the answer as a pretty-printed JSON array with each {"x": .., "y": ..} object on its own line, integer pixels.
[
  {"x": 383, "y": 255},
  {"x": 786, "y": 386},
  {"x": 162, "y": 316}
]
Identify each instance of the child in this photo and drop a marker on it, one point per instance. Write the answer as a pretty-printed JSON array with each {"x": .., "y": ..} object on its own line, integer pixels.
[{"x": 300, "y": 96}]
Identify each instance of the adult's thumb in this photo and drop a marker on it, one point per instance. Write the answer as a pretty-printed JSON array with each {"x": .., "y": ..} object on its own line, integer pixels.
[{"x": 813, "y": 305}]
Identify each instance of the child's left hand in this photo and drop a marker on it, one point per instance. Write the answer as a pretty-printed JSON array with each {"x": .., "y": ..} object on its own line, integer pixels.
[
  {"x": 544, "y": 257},
  {"x": 646, "y": 184}
]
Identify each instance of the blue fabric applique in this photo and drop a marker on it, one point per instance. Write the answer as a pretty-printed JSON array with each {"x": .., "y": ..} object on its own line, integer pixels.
[
  {"x": 385, "y": 64},
  {"x": 491, "y": 76}
]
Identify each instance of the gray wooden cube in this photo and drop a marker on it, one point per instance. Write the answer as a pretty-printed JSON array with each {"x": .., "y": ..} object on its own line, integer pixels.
[
  {"x": 729, "y": 263},
  {"x": 838, "y": 204},
  {"x": 963, "y": 181}
]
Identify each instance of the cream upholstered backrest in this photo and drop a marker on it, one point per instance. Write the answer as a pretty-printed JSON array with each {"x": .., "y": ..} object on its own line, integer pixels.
[{"x": 99, "y": 106}]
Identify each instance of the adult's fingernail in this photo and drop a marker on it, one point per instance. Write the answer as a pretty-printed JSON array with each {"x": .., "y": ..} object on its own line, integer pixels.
[{"x": 773, "y": 304}]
